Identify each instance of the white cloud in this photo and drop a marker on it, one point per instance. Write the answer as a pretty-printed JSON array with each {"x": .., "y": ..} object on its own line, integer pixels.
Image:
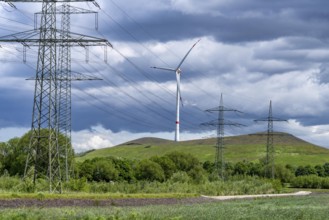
[
  {"x": 98, "y": 137},
  {"x": 8, "y": 133},
  {"x": 198, "y": 7}
]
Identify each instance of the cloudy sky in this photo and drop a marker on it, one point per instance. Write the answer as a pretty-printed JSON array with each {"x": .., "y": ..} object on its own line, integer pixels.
[{"x": 251, "y": 51}]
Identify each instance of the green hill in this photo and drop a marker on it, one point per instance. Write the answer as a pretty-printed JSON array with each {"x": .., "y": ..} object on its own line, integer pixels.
[{"x": 288, "y": 149}]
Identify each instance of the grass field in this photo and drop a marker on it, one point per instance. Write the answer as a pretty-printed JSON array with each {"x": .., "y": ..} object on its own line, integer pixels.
[
  {"x": 288, "y": 149},
  {"x": 308, "y": 208}
]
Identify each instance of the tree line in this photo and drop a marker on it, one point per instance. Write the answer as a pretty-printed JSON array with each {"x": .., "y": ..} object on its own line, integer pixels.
[{"x": 174, "y": 165}]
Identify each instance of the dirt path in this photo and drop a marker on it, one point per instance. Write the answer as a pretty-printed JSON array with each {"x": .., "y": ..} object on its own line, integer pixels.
[
  {"x": 300, "y": 193},
  {"x": 47, "y": 203}
]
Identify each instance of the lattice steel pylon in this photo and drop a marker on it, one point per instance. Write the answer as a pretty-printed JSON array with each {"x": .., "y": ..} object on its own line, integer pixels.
[
  {"x": 270, "y": 152},
  {"x": 43, "y": 157},
  {"x": 65, "y": 78},
  {"x": 220, "y": 123}
]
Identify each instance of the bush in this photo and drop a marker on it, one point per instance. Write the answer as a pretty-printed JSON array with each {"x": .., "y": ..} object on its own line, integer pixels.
[
  {"x": 99, "y": 169},
  {"x": 180, "y": 177},
  {"x": 311, "y": 182},
  {"x": 183, "y": 162},
  {"x": 198, "y": 175},
  {"x": 283, "y": 174},
  {"x": 167, "y": 165},
  {"x": 149, "y": 170},
  {"x": 77, "y": 185}
]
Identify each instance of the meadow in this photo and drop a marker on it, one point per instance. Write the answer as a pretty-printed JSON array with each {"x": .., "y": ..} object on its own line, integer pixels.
[
  {"x": 308, "y": 208},
  {"x": 149, "y": 169}
]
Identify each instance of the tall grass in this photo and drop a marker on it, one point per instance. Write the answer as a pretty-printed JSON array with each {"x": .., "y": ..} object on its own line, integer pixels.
[{"x": 245, "y": 185}]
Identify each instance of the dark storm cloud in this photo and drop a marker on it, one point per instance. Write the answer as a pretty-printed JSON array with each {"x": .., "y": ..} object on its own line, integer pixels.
[
  {"x": 322, "y": 76},
  {"x": 251, "y": 50},
  {"x": 235, "y": 23}
]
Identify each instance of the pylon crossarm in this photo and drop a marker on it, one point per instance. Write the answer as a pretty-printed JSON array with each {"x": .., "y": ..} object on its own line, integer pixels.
[
  {"x": 20, "y": 35},
  {"x": 270, "y": 119},
  {"x": 67, "y": 10},
  {"x": 217, "y": 122},
  {"x": 31, "y": 38},
  {"x": 74, "y": 76},
  {"x": 72, "y": 10},
  {"x": 222, "y": 108}
]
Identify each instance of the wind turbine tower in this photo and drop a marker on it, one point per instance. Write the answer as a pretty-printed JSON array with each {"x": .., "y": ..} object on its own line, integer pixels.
[{"x": 178, "y": 71}]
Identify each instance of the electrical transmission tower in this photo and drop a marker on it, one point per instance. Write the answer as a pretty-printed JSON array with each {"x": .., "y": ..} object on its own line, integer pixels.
[
  {"x": 270, "y": 152},
  {"x": 220, "y": 123},
  {"x": 65, "y": 78},
  {"x": 44, "y": 153}
]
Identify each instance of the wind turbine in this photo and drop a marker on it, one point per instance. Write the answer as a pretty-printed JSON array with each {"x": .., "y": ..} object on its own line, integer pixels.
[{"x": 178, "y": 71}]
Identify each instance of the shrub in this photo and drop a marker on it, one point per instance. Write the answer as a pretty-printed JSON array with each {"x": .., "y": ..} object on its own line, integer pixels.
[
  {"x": 180, "y": 177},
  {"x": 167, "y": 165},
  {"x": 149, "y": 170},
  {"x": 77, "y": 185},
  {"x": 283, "y": 174},
  {"x": 198, "y": 175},
  {"x": 312, "y": 182},
  {"x": 183, "y": 162}
]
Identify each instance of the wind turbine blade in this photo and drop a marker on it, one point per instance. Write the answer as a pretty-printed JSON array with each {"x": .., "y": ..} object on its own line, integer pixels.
[
  {"x": 180, "y": 64},
  {"x": 163, "y": 68}
]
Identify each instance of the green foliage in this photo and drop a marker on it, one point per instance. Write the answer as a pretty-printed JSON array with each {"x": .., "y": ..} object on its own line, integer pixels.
[
  {"x": 320, "y": 171},
  {"x": 198, "y": 175},
  {"x": 77, "y": 185},
  {"x": 209, "y": 166},
  {"x": 180, "y": 177},
  {"x": 284, "y": 174},
  {"x": 13, "y": 153},
  {"x": 149, "y": 170},
  {"x": 180, "y": 182},
  {"x": 183, "y": 162},
  {"x": 312, "y": 182},
  {"x": 125, "y": 169},
  {"x": 241, "y": 168},
  {"x": 168, "y": 166},
  {"x": 305, "y": 170},
  {"x": 326, "y": 169},
  {"x": 8, "y": 183},
  {"x": 99, "y": 169}
]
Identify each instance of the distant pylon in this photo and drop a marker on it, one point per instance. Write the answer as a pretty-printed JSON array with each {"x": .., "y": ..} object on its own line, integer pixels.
[
  {"x": 270, "y": 152},
  {"x": 220, "y": 123}
]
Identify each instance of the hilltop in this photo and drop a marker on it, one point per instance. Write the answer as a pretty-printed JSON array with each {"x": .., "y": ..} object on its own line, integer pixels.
[{"x": 288, "y": 148}]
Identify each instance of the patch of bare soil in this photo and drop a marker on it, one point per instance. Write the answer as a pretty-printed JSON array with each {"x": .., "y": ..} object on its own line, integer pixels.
[{"x": 48, "y": 203}]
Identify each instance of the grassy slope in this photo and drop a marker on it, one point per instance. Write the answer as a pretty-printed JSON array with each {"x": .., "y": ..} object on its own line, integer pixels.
[{"x": 289, "y": 149}]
